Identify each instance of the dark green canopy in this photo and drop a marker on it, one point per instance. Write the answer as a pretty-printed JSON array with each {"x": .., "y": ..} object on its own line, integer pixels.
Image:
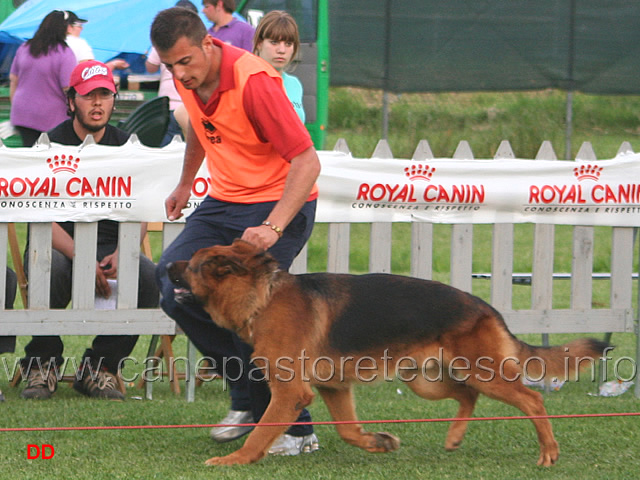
[{"x": 469, "y": 45}]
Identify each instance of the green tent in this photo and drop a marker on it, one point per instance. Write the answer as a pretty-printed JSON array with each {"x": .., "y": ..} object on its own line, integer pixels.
[{"x": 470, "y": 45}]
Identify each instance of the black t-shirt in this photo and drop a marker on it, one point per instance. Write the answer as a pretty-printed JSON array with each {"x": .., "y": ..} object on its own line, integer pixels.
[{"x": 66, "y": 135}]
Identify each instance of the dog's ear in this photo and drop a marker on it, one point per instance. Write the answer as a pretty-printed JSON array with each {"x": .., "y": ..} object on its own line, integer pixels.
[
  {"x": 242, "y": 247},
  {"x": 262, "y": 262},
  {"x": 256, "y": 259},
  {"x": 222, "y": 265}
]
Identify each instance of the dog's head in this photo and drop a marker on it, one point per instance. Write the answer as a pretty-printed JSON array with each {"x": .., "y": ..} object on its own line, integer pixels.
[{"x": 230, "y": 282}]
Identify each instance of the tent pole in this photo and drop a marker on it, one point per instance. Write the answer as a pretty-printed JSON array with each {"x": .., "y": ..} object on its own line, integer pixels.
[
  {"x": 385, "y": 115},
  {"x": 387, "y": 59},
  {"x": 571, "y": 52},
  {"x": 568, "y": 126}
]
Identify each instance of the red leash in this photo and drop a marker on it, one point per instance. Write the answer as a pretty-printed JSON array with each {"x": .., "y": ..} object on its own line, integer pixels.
[{"x": 360, "y": 422}]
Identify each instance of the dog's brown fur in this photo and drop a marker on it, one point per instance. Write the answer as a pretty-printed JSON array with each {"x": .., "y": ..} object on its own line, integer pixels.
[{"x": 294, "y": 320}]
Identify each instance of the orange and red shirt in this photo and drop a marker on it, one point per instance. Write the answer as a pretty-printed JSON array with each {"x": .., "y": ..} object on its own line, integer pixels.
[{"x": 248, "y": 129}]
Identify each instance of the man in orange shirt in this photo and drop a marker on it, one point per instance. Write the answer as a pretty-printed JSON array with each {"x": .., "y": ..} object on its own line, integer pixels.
[{"x": 263, "y": 170}]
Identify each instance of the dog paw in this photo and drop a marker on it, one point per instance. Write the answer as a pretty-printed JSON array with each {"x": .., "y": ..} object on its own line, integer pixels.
[
  {"x": 548, "y": 457},
  {"x": 384, "y": 442},
  {"x": 455, "y": 435},
  {"x": 242, "y": 456},
  {"x": 452, "y": 445},
  {"x": 227, "y": 460}
]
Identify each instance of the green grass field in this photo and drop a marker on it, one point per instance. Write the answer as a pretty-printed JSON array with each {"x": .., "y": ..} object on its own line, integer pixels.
[
  {"x": 483, "y": 119},
  {"x": 591, "y": 448}
]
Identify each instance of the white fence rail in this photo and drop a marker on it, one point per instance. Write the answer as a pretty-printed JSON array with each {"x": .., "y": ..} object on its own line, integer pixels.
[
  {"x": 618, "y": 316},
  {"x": 82, "y": 318},
  {"x": 541, "y": 318}
]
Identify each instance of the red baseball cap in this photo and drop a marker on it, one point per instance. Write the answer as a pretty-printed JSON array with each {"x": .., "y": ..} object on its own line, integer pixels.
[{"x": 89, "y": 75}]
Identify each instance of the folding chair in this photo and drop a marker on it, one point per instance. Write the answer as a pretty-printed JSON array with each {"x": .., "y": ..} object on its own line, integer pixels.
[{"x": 149, "y": 121}]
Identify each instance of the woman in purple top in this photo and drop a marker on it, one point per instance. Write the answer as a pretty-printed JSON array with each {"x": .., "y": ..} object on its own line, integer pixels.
[{"x": 39, "y": 76}]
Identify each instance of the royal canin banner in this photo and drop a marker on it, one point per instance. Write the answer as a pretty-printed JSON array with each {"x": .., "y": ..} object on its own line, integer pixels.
[{"x": 130, "y": 183}]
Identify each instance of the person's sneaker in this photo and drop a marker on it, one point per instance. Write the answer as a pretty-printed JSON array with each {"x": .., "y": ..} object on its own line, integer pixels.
[
  {"x": 104, "y": 384},
  {"x": 287, "y": 444},
  {"x": 41, "y": 383},
  {"x": 232, "y": 431}
]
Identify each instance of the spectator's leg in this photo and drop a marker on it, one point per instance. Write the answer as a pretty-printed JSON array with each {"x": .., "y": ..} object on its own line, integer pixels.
[
  {"x": 45, "y": 352},
  {"x": 47, "y": 347}
]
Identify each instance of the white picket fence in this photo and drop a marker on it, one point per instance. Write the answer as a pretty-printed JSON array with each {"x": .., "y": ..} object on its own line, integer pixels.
[
  {"x": 541, "y": 317},
  {"x": 617, "y": 317}
]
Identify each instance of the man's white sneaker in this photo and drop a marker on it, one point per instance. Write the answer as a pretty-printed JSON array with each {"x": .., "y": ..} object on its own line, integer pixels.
[
  {"x": 287, "y": 444},
  {"x": 232, "y": 432}
]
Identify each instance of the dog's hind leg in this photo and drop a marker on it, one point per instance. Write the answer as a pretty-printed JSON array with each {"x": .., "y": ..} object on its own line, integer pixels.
[
  {"x": 531, "y": 404},
  {"x": 465, "y": 395},
  {"x": 342, "y": 408}
]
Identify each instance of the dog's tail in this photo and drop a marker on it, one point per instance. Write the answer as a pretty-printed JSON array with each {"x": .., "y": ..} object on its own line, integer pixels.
[{"x": 563, "y": 361}]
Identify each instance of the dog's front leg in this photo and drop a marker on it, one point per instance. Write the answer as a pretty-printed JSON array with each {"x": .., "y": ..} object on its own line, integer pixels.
[{"x": 287, "y": 400}]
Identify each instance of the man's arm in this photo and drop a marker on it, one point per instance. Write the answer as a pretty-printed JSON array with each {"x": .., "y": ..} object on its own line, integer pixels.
[
  {"x": 109, "y": 263},
  {"x": 151, "y": 67},
  {"x": 193, "y": 157},
  {"x": 62, "y": 241},
  {"x": 152, "y": 63},
  {"x": 305, "y": 168},
  {"x": 275, "y": 121}
]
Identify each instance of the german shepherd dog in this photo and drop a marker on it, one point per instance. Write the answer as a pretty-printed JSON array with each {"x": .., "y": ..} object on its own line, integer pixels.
[{"x": 327, "y": 331}]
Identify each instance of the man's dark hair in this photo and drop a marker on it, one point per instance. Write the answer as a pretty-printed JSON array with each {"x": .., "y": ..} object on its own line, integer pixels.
[
  {"x": 228, "y": 5},
  {"x": 174, "y": 23},
  {"x": 186, "y": 4},
  {"x": 71, "y": 95}
]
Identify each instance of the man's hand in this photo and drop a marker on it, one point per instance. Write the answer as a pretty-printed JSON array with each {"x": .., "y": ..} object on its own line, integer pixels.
[
  {"x": 102, "y": 286},
  {"x": 117, "y": 64},
  {"x": 262, "y": 236},
  {"x": 176, "y": 202},
  {"x": 109, "y": 265},
  {"x": 106, "y": 268}
]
